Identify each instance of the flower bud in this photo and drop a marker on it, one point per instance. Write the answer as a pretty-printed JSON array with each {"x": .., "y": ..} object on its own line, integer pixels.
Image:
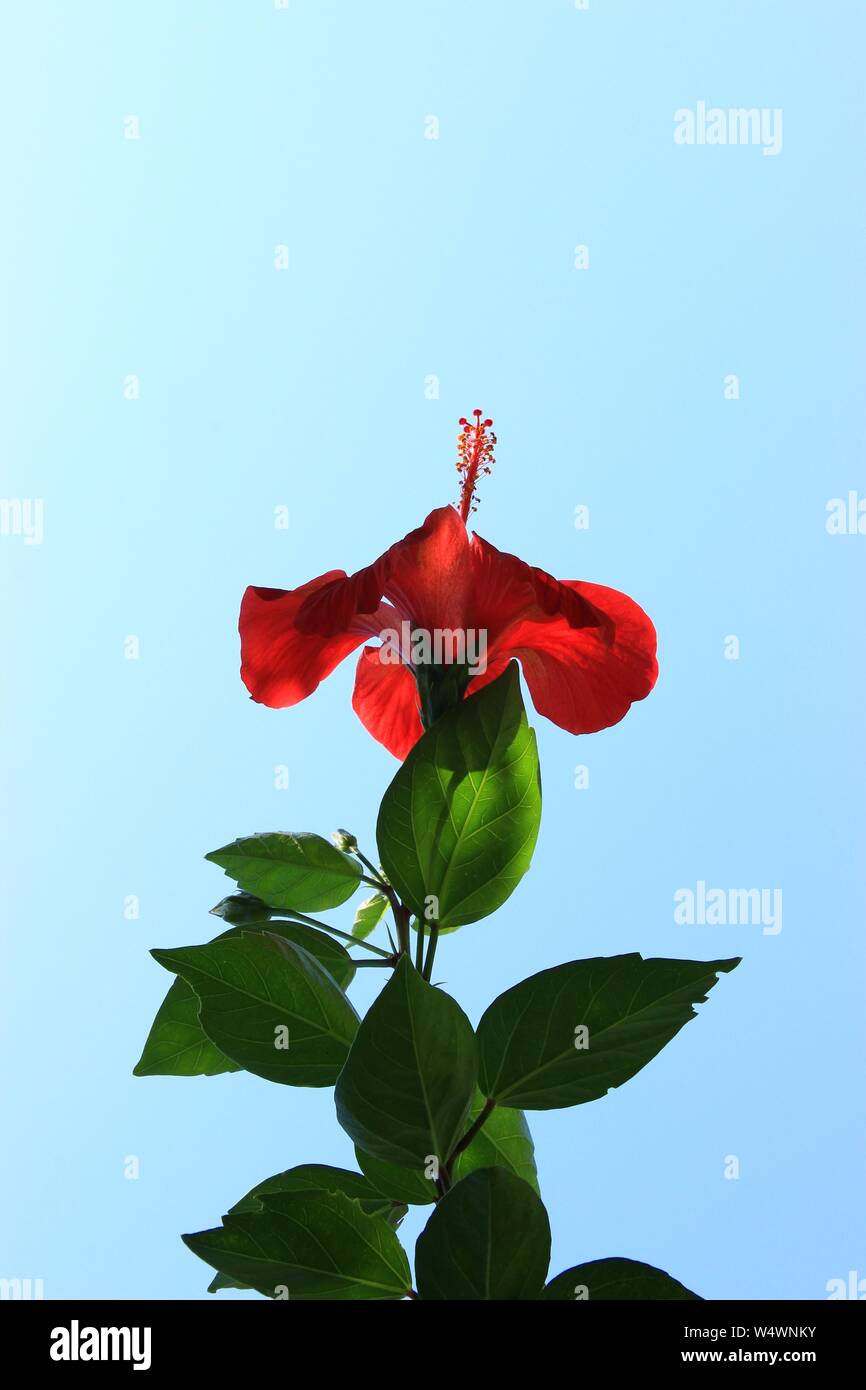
[{"x": 242, "y": 908}]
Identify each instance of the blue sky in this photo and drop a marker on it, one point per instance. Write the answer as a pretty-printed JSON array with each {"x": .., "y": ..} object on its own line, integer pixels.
[{"x": 409, "y": 258}]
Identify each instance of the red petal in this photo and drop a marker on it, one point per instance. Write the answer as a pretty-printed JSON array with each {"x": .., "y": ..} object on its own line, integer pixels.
[
  {"x": 385, "y": 700},
  {"x": 279, "y": 664},
  {"x": 335, "y": 606},
  {"x": 584, "y": 679},
  {"x": 507, "y": 589},
  {"x": 428, "y": 576}
]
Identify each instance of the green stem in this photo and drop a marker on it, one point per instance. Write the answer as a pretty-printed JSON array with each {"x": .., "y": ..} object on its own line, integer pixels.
[
  {"x": 489, "y": 1106},
  {"x": 419, "y": 947},
  {"x": 375, "y": 964},
  {"x": 431, "y": 950},
  {"x": 378, "y": 880},
  {"x": 334, "y": 931},
  {"x": 401, "y": 915}
]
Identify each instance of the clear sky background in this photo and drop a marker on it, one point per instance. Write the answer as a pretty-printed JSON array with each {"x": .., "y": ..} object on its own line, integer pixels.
[{"x": 411, "y": 257}]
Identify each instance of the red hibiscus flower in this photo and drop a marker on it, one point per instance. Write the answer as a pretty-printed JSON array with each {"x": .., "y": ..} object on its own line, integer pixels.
[{"x": 449, "y": 612}]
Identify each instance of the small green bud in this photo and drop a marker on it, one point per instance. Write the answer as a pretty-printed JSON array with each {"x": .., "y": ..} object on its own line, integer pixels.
[{"x": 241, "y": 908}]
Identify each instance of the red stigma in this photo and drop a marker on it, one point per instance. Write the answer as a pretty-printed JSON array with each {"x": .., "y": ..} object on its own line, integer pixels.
[{"x": 475, "y": 458}]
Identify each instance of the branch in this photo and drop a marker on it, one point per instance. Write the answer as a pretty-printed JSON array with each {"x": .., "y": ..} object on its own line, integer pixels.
[{"x": 474, "y": 1128}]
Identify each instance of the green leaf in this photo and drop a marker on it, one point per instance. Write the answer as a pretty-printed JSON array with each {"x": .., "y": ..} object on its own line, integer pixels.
[
  {"x": 460, "y": 819},
  {"x": 504, "y": 1141},
  {"x": 407, "y": 1185},
  {"x": 488, "y": 1238},
  {"x": 312, "y": 1177},
  {"x": 317, "y": 1177},
  {"x": 328, "y": 952},
  {"x": 535, "y": 1053},
  {"x": 406, "y": 1089},
  {"x": 368, "y": 915},
  {"x": 300, "y": 871},
  {"x": 307, "y": 1245},
  {"x": 269, "y": 1006},
  {"x": 224, "y": 1281},
  {"x": 615, "y": 1279},
  {"x": 177, "y": 1045}
]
